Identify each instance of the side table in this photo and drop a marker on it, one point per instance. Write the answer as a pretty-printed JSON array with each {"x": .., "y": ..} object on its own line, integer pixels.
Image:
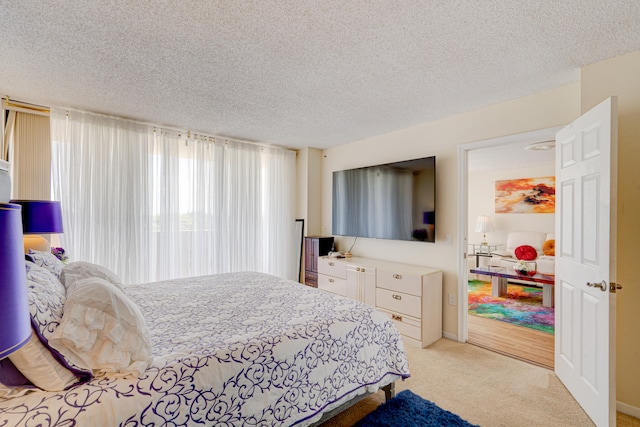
[{"x": 478, "y": 250}]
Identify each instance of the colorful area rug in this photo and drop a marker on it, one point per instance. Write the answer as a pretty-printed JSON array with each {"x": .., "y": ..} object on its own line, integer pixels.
[
  {"x": 521, "y": 306},
  {"x": 409, "y": 410}
]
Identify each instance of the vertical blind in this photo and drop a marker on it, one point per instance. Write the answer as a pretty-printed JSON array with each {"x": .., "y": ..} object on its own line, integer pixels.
[
  {"x": 30, "y": 157},
  {"x": 155, "y": 204}
]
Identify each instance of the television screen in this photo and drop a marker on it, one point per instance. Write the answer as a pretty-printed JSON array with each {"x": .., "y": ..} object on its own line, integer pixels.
[{"x": 391, "y": 201}]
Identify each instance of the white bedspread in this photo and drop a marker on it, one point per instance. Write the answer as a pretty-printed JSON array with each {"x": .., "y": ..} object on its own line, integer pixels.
[{"x": 234, "y": 350}]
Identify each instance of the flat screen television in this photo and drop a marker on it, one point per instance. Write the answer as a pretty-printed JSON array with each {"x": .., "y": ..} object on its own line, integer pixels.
[{"x": 390, "y": 201}]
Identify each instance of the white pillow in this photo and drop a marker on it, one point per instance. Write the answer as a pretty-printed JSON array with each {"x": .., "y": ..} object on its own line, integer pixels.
[
  {"x": 46, "y": 260},
  {"x": 35, "y": 360},
  {"x": 38, "y": 365},
  {"x": 46, "y": 298},
  {"x": 102, "y": 330},
  {"x": 79, "y": 270}
]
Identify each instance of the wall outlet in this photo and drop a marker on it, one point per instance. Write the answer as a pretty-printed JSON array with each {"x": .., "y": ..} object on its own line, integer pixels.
[{"x": 452, "y": 299}]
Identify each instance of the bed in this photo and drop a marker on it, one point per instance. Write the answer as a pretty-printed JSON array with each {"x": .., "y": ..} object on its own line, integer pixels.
[{"x": 226, "y": 350}]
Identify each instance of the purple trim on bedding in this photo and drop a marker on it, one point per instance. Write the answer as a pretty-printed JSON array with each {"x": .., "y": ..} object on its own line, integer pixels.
[
  {"x": 10, "y": 376},
  {"x": 81, "y": 375}
]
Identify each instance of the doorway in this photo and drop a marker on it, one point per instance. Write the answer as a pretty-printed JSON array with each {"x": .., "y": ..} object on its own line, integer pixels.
[{"x": 481, "y": 165}]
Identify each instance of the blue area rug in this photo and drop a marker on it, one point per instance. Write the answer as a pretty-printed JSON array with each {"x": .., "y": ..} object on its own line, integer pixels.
[{"x": 410, "y": 410}]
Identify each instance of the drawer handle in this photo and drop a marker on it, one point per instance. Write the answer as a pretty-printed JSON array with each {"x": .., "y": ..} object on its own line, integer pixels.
[
  {"x": 396, "y": 317},
  {"x": 357, "y": 268},
  {"x": 398, "y": 297},
  {"x": 331, "y": 264},
  {"x": 397, "y": 276},
  {"x": 331, "y": 280}
]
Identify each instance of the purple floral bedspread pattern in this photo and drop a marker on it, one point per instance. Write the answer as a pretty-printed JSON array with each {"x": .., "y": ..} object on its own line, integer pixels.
[{"x": 233, "y": 350}]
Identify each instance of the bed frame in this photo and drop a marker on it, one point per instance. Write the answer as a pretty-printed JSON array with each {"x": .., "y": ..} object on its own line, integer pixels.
[{"x": 389, "y": 393}]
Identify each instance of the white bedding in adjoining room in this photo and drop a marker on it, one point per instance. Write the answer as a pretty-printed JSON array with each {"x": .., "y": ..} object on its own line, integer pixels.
[{"x": 233, "y": 349}]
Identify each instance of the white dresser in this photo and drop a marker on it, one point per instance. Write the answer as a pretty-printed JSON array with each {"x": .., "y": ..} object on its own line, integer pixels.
[{"x": 411, "y": 295}]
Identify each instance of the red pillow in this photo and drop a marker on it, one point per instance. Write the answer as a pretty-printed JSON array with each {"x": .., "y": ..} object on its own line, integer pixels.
[{"x": 526, "y": 253}]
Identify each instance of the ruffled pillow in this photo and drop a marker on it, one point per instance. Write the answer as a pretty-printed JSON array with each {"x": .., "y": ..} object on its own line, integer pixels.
[
  {"x": 37, "y": 361},
  {"x": 79, "y": 270},
  {"x": 103, "y": 330},
  {"x": 549, "y": 247},
  {"x": 526, "y": 253},
  {"x": 46, "y": 260}
]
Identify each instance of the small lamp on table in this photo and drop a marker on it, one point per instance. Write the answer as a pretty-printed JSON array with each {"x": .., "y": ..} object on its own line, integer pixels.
[
  {"x": 484, "y": 226},
  {"x": 39, "y": 217}
]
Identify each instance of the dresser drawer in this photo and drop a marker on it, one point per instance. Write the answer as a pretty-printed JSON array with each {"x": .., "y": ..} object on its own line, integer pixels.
[
  {"x": 407, "y": 325},
  {"x": 399, "y": 302},
  {"x": 401, "y": 282},
  {"x": 332, "y": 267},
  {"x": 332, "y": 284}
]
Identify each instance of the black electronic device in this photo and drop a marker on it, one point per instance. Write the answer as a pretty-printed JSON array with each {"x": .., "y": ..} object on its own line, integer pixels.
[{"x": 389, "y": 201}]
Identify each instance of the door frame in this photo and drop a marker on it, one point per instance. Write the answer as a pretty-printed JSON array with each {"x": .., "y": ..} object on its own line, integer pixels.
[{"x": 463, "y": 209}]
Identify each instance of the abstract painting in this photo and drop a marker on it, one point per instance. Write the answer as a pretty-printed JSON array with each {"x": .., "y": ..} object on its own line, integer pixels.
[{"x": 526, "y": 195}]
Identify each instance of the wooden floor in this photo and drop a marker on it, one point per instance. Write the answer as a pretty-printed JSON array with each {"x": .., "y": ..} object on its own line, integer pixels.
[{"x": 522, "y": 343}]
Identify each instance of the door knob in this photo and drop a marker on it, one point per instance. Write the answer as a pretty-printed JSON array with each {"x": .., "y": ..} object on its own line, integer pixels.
[{"x": 602, "y": 285}]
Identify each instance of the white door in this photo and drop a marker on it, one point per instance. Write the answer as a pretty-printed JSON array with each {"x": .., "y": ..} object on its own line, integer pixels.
[{"x": 586, "y": 160}]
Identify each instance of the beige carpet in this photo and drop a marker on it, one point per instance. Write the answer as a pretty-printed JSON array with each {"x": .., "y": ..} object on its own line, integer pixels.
[{"x": 485, "y": 388}]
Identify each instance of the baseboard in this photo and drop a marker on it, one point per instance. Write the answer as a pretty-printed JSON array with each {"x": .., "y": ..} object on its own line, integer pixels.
[
  {"x": 449, "y": 335},
  {"x": 634, "y": 411}
]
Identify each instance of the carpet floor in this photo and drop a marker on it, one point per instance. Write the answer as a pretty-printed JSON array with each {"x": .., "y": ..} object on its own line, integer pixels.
[
  {"x": 408, "y": 410},
  {"x": 484, "y": 388},
  {"x": 521, "y": 306}
]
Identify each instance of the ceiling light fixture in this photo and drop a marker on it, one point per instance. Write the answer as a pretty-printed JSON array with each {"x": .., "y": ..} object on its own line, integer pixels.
[{"x": 541, "y": 146}]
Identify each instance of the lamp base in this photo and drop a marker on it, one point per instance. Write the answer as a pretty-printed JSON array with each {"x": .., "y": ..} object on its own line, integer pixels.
[{"x": 36, "y": 243}]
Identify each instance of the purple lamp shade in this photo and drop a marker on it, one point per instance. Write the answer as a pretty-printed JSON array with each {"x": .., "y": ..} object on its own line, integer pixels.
[
  {"x": 40, "y": 216},
  {"x": 429, "y": 217},
  {"x": 15, "y": 322}
]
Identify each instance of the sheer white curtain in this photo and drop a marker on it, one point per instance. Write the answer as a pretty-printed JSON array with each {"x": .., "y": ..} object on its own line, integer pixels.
[{"x": 155, "y": 204}]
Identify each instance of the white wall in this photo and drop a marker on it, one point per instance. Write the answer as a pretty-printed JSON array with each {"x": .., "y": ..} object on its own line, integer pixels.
[
  {"x": 481, "y": 198},
  {"x": 309, "y": 189}
]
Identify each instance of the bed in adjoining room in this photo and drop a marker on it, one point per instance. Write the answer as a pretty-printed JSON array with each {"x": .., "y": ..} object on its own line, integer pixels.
[{"x": 229, "y": 349}]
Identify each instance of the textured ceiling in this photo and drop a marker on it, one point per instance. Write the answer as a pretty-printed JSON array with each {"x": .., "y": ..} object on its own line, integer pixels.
[{"x": 298, "y": 73}]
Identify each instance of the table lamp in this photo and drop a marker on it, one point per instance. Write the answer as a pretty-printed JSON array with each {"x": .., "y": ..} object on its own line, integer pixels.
[
  {"x": 14, "y": 307},
  {"x": 429, "y": 219},
  {"x": 484, "y": 226},
  {"x": 39, "y": 217}
]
